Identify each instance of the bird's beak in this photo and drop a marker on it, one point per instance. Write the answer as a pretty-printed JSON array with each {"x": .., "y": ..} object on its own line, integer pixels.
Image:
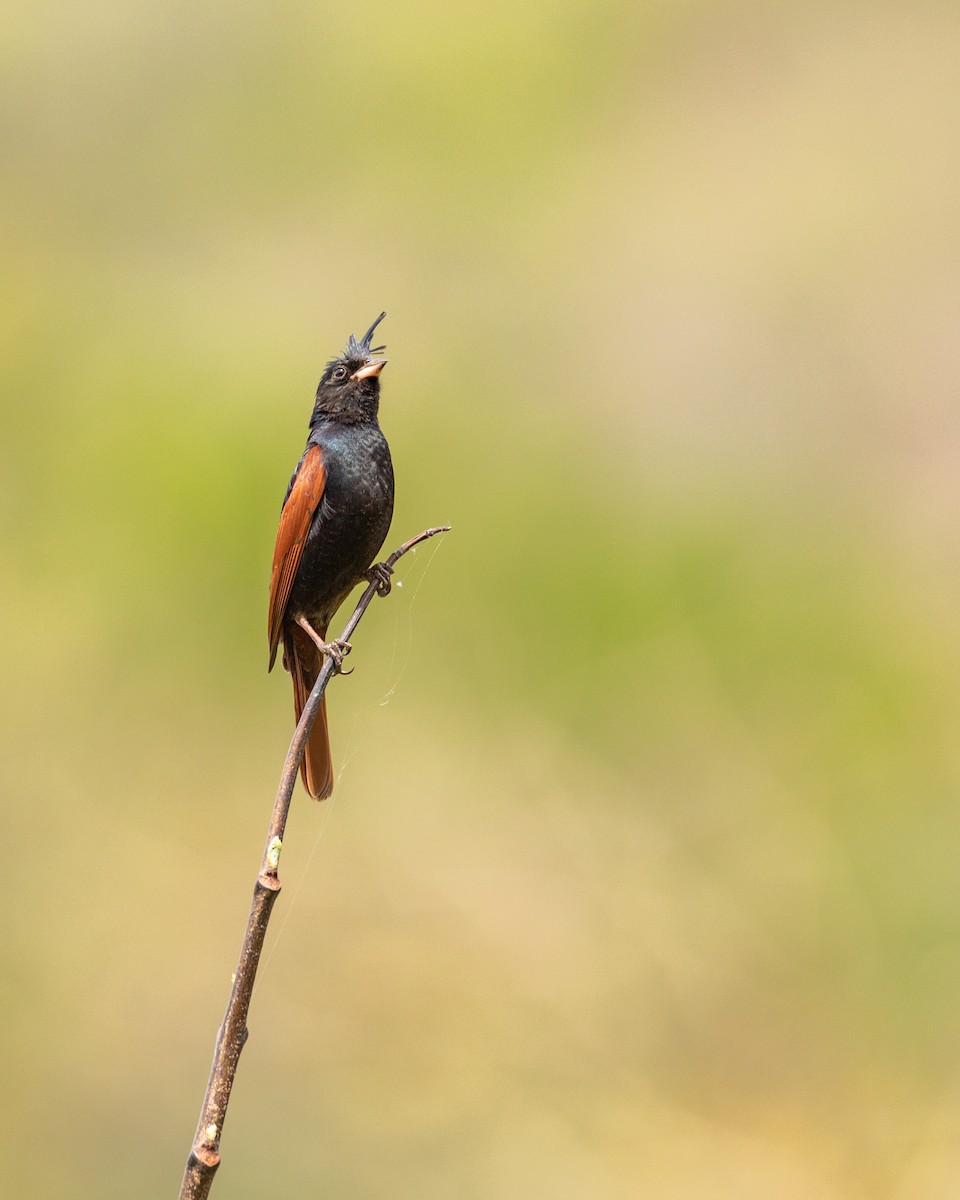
[{"x": 370, "y": 369}]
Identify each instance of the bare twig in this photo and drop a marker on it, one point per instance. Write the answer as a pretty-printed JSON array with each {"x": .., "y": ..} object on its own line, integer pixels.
[{"x": 205, "y": 1151}]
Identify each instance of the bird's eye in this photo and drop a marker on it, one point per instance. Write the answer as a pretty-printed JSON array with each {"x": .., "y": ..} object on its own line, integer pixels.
[{"x": 340, "y": 373}]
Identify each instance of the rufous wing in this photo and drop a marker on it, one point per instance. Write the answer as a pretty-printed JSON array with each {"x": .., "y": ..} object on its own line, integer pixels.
[{"x": 305, "y": 494}]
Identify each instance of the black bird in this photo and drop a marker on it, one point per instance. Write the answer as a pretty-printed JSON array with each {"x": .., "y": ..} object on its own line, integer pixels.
[{"x": 335, "y": 517}]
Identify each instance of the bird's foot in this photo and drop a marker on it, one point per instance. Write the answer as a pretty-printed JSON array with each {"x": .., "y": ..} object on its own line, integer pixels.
[
  {"x": 338, "y": 649},
  {"x": 379, "y": 574}
]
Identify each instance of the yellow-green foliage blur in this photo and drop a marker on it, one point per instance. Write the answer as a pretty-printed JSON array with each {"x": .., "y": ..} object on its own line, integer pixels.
[{"x": 641, "y": 876}]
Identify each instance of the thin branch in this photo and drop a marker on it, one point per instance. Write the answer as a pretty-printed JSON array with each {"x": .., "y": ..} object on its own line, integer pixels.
[{"x": 205, "y": 1152}]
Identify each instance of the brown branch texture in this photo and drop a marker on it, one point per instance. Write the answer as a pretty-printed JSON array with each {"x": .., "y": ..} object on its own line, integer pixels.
[{"x": 205, "y": 1152}]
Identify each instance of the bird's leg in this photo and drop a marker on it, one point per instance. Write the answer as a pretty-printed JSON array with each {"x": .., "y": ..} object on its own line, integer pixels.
[
  {"x": 338, "y": 649},
  {"x": 379, "y": 574}
]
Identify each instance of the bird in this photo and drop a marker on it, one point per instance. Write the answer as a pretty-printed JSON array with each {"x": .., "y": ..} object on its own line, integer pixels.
[{"x": 334, "y": 519}]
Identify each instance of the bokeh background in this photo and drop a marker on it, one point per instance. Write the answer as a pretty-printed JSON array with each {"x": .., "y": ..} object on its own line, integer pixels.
[{"x": 641, "y": 876}]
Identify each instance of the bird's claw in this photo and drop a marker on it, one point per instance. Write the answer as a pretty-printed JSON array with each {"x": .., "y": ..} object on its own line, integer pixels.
[
  {"x": 338, "y": 649},
  {"x": 380, "y": 574}
]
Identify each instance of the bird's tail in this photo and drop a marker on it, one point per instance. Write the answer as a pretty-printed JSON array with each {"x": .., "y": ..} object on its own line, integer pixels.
[{"x": 304, "y": 661}]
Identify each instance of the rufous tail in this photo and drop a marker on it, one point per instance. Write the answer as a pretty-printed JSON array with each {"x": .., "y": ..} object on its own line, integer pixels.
[{"x": 304, "y": 661}]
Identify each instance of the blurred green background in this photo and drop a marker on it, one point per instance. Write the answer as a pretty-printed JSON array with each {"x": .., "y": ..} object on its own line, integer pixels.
[{"x": 641, "y": 875}]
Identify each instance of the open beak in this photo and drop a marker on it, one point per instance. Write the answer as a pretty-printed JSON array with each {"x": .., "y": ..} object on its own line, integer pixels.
[{"x": 370, "y": 369}]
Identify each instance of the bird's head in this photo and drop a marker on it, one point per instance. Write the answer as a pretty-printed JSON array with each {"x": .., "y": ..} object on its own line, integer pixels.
[{"x": 349, "y": 388}]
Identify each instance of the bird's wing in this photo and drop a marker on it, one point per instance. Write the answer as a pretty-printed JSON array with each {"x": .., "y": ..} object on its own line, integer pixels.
[{"x": 305, "y": 494}]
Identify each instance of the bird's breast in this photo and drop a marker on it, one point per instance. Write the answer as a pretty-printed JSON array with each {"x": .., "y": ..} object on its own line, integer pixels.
[{"x": 350, "y": 523}]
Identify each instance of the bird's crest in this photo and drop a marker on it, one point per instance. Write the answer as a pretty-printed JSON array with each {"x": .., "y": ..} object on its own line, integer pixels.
[{"x": 362, "y": 349}]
